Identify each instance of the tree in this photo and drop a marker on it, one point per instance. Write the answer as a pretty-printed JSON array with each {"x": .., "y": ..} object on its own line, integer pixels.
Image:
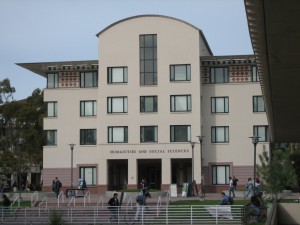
[
  {"x": 276, "y": 171},
  {"x": 6, "y": 91},
  {"x": 20, "y": 119}
]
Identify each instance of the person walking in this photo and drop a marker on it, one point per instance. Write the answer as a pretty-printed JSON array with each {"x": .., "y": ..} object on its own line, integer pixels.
[
  {"x": 56, "y": 185},
  {"x": 140, "y": 203},
  {"x": 234, "y": 182},
  {"x": 114, "y": 208},
  {"x": 249, "y": 186},
  {"x": 231, "y": 188}
]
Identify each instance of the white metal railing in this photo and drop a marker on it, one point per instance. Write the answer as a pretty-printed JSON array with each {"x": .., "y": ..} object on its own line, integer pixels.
[
  {"x": 34, "y": 198},
  {"x": 200, "y": 214},
  {"x": 14, "y": 201},
  {"x": 87, "y": 195},
  {"x": 129, "y": 203},
  {"x": 44, "y": 201},
  {"x": 72, "y": 200},
  {"x": 168, "y": 198},
  {"x": 100, "y": 201},
  {"x": 60, "y": 196}
]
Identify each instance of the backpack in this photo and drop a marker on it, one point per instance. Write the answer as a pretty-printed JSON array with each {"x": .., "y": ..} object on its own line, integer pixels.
[
  {"x": 59, "y": 184},
  {"x": 230, "y": 200},
  {"x": 234, "y": 182},
  {"x": 140, "y": 199}
]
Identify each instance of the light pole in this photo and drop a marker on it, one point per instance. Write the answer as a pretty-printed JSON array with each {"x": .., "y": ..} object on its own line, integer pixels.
[
  {"x": 72, "y": 147},
  {"x": 193, "y": 179},
  {"x": 200, "y": 137},
  {"x": 254, "y": 141},
  {"x": 20, "y": 143}
]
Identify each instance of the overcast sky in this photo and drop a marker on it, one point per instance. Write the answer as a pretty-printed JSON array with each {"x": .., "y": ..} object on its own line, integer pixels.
[{"x": 65, "y": 30}]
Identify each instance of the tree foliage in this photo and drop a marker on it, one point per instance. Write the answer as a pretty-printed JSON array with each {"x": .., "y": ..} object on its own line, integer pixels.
[
  {"x": 20, "y": 120},
  {"x": 276, "y": 171},
  {"x": 6, "y": 91}
]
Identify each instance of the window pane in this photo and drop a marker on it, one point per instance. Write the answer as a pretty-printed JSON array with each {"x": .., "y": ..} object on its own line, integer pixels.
[
  {"x": 118, "y": 105},
  {"x": 180, "y": 133}
]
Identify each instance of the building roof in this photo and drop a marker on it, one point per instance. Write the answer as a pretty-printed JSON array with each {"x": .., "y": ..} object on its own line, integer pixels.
[{"x": 275, "y": 34}]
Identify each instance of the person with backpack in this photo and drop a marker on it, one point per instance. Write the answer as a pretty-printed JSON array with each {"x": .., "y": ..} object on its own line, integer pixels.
[
  {"x": 234, "y": 182},
  {"x": 56, "y": 185},
  {"x": 114, "y": 208},
  {"x": 140, "y": 202}
]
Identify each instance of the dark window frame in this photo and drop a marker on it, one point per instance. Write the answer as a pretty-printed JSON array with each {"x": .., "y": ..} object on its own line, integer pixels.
[
  {"x": 85, "y": 138},
  {"x": 173, "y": 72},
  {"x": 213, "y": 77},
  {"x": 262, "y": 138},
  {"x": 214, "y": 134},
  {"x": 143, "y": 100},
  {"x": 174, "y": 134},
  {"x": 82, "y": 104},
  {"x": 83, "y": 78},
  {"x": 110, "y": 75},
  {"x": 110, "y": 135},
  {"x": 110, "y": 101},
  {"x": 227, "y": 168},
  {"x": 145, "y": 136},
  {"x": 188, "y": 103},
  {"x": 255, "y": 104},
  {"x": 214, "y": 105}
]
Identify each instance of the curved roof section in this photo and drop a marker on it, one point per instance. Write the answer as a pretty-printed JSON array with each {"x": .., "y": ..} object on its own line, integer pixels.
[{"x": 153, "y": 15}]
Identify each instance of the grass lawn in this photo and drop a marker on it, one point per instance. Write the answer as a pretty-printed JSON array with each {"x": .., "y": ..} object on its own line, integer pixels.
[
  {"x": 207, "y": 202},
  {"x": 22, "y": 204}
]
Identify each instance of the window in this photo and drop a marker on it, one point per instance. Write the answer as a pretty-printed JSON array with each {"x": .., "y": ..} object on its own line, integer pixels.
[
  {"x": 180, "y": 72},
  {"x": 89, "y": 174},
  {"x": 180, "y": 103},
  {"x": 219, "y": 75},
  {"x": 148, "y": 134},
  {"x": 51, "y": 109},
  {"x": 180, "y": 133},
  {"x": 88, "y": 79},
  {"x": 261, "y": 132},
  {"x": 220, "y": 134},
  {"x": 117, "y": 104},
  {"x": 219, "y": 104},
  {"x": 148, "y": 59},
  {"x": 220, "y": 174},
  {"x": 148, "y": 104},
  {"x": 258, "y": 104},
  {"x": 88, "y": 137},
  {"x": 52, "y": 80},
  {"x": 88, "y": 108},
  {"x": 255, "y": 77},
  {"x": 117, "y": 134},
  {"x": 117, "y": 75},
  {"x": 51, "y": 137}
]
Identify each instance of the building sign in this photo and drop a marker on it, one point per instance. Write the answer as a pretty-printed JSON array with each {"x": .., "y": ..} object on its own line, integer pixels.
[{"x": 150, "y": 151}]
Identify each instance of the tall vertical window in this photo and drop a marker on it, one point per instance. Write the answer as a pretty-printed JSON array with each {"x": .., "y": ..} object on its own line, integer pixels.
[
  {"x": 148, "y": 134},
  {"x": 148, "y": 59},
  {"x": 88, "y": 108},
  {"x": 88, "y": 79},
  {"x": 220, "y": 134},
  {"x": 220, "y": 174},
  {"x": 180, "y": 72},
  {"x": 180, "y": 103},
  {"x": 255, "y": 77},
  {"x": 52, "y": 80},
  {"x": 51, "y": 109},
  {"x": 219, "y": 105},
  {"x": 117, "y": 134},
  {"x": 148, "y": 104},
  {"x": 117, "y": 105},
  {"x": 88, "y": 174},
  {"x": 88, "y": 137},
  {"x": 117, "y": 75},
  {"x": 258, "y": 104},
  {"x": 51, "y": 137},
  {"x": 219, "y": 75},
  {"x": 261, "y": 132},
  {"x": 180, "y": 133}
]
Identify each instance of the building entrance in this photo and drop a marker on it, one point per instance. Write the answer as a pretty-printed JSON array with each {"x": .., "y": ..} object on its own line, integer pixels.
[
  {"x": 117, "y": 174},
  {"x": 150, "y": 169}
]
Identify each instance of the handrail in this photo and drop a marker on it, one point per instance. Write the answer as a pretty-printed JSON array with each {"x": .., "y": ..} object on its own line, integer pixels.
[
  {"x": 73, "y": 198},
  {"x": 100, "y": 200},
  {"x": 61, "y": 195},
  {"x": 168, "y": 196},
  {"x": 36, "y": 193},
  {"x": 44, "y": 200},
  {"x": 11, "y": 205},
  {"x": 87, "y": 194},
  {"x": 129, "y": 201},
  {"x": 158, "y": 205}
]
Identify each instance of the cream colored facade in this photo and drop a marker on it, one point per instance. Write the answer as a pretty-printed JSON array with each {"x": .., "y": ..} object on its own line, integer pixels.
[{"x": 110, "y": 166}]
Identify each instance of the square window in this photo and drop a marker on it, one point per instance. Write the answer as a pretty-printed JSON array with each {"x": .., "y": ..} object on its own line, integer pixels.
[
  {"x": 220, "y": 174},
  {"x": 148, "y": 104},
  {"x": 219, "y": 75},
  {"x": 220, "y": 134},
  {"x": 51, "y": 137},
  {"x": 261, "y": 132},
  {"x": 118, "y": 134},
  {"x": 148, "y": 134},
  {"x": 52, "y": 80},
  {"x": 219, "y": 105},
  {"x": 88, "y": 174},
  {"x": 88, "y": 79},
  {"x": 117, "y": 75},
  {"x": 180, "y": 72},
  {"x": 117, "y": 104},
  {"x": 88, "y": 108},
  {"x": 88, "y": 137},
  {"x": 180, "y": 133},
  {"x": 181, "y": 103}
]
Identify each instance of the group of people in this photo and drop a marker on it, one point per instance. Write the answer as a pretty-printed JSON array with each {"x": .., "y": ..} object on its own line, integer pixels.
[{"x": 140, "y": 202}]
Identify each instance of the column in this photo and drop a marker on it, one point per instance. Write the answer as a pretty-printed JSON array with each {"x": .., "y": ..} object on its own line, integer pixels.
[
  {"x": 165, "y": 174},
  {"x": 132, "y": 174}
]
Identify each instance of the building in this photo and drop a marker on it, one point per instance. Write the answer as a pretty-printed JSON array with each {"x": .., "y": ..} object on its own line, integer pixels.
[{"x": 134, "y": 112}]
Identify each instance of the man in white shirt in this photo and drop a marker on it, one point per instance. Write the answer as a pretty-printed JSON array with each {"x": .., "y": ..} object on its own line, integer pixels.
[{"x": 231, "y": 188}]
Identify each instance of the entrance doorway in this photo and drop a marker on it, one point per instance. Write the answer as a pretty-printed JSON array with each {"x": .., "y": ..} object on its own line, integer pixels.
[
  {"x": 117, "y": 174},
  {"x": 150, "y": 169},
  {"x": 181, "y": 171}
]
